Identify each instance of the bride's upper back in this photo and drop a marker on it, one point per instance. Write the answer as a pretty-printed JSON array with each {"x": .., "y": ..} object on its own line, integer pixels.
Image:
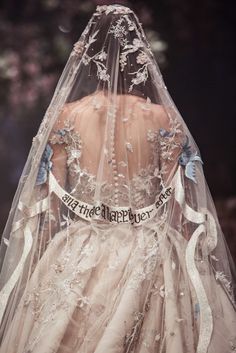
[{"x": 117, "y": 148}]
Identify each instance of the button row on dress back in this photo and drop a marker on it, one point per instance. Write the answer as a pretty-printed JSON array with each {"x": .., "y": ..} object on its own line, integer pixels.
[{"x": 112, "y": 118}]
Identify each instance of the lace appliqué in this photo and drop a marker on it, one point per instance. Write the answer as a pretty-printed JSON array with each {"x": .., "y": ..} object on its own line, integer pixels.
[
  {"x": 148, "y": 253},
  {"x": 168, "y": 139},
  {"x": 168, "y": 142},
  {"x": 73, "y": 147},
  {"x": 142, "y": 188},
  {"x": 97, "y": 59},
  {"x": 138, "y": 46},
  {"x": 120, "y": 31}
]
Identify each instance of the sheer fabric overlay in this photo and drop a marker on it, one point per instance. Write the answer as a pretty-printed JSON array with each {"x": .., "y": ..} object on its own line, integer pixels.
[{"x": 112, "y": 243}]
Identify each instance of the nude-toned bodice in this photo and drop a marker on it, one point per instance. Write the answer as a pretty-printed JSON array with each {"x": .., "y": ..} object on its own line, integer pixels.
[{"x": 130, "y": 170}]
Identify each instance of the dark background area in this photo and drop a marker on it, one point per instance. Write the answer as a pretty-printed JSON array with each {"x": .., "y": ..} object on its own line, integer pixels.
[{"x": 194, "y": 44}]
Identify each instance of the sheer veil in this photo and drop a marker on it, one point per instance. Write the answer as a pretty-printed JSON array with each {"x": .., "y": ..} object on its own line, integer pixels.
[{"x": 113, "y": 153}]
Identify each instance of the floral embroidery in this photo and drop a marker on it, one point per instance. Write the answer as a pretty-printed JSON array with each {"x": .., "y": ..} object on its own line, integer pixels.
[
  {"x": 73, "y": 147},
  {"x": 140, "y": 77},
  {"x": 142, "y": 58},
  {"x": 119, "y": 30},
  {"x": 97, "y": 59},
  {"x": 143, "y": 185}
]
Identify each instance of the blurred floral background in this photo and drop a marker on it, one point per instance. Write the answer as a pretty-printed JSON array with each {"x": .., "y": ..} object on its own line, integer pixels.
[{"x": 194, "y": 44}]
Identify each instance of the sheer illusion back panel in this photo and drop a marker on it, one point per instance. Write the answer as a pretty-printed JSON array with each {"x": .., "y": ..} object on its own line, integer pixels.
[{"x": 135, "y": 148}]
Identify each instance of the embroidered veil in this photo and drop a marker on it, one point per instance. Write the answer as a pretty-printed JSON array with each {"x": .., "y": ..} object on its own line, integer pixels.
[{"x": 112, "y": 243}]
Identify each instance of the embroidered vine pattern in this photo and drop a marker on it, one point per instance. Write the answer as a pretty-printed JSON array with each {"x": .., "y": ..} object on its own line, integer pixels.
[{"x": 119, "y": 30}]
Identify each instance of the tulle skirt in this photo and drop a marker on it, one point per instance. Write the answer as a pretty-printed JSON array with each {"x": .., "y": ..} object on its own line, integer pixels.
[{"x": 101, "y": 288}]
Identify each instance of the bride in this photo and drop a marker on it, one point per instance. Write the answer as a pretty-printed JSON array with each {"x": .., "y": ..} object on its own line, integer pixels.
[{"x": 112, "y": 244}]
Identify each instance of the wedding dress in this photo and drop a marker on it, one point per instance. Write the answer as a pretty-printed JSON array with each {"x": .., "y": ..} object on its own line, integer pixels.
[{"x": 113, "y": 244}]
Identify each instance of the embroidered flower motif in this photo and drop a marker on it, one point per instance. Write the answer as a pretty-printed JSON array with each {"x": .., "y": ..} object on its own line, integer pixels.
[
  {"x": 140, "y": 77},
  {"x": 102, "y": 56},
  {"x": 187, "y": 159},
  {"x": 83, "y": 184},
  {"x": 137, "y": 43},
  {"x": 45, "y": 165},
  {"x": 97, "y": 59},
  {"x": 119, "y": 32},
  {"x": 142, "y": 58},
  {"x": 105, "y": 8},
  {"x": 143, "y": 186},
  {"x": 103, "y": 75},
  {"x": 152, "y": 135}
]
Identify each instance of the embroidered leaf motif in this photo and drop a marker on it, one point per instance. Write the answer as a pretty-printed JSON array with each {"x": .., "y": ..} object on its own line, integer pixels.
[{"x": 92, "y": 39}]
